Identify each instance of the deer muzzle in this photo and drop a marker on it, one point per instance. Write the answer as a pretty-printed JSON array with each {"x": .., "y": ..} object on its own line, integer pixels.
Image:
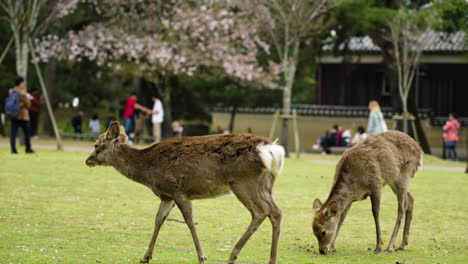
[{"x": 91, "y": 161}]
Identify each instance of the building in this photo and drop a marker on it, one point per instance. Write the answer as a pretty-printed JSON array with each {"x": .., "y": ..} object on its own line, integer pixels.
[{"x": 440, "y": 83}]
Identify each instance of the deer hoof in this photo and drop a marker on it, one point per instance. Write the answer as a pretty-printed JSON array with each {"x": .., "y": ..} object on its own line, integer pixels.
[
  {"x": 400, "y": 249},
  {"x": 389, "y": 250},
  {"x": 377, "y": 250},
  {"x": 145, "y": 259},
  {"x": 202, "y": 260}
]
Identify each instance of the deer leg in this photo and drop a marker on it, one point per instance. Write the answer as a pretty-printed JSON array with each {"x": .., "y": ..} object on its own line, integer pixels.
[
  {"x": 375, "y": 201},
  {"x": 408, "y": 217},
  {"x": 342, "y": 218},
  {"x": 257, "y": 220},
  {"x": 259, "y": 211},
  {"x": 165, "y": 208},
  {"x": 185, "y": 206},
  {"x": 401, "y": 195},
  {"x": 275, "y": 219}
]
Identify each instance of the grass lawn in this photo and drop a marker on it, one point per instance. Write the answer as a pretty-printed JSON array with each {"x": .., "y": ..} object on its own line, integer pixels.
[{"x": 54, "y": 209}]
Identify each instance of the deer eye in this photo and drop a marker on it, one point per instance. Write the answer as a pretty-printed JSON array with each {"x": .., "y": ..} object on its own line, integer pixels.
[{"x": 324, "y": 233}]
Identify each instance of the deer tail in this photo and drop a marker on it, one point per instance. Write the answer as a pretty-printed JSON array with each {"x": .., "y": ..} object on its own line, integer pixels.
[{"x": 272, "y": 156}]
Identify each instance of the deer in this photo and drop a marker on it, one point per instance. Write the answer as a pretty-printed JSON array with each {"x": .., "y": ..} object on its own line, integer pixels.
[
  {"x": 387, "y": 158},
  {"x": 179, "y": 170}
]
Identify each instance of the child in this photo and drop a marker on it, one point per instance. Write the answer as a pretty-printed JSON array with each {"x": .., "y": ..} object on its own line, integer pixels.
[
  {"x": 359, "y": 137},
  {"x": 95, "y": 126}
]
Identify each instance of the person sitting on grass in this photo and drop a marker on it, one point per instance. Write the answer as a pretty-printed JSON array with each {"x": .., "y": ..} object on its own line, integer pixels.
[{"x": 359, "y": 137}]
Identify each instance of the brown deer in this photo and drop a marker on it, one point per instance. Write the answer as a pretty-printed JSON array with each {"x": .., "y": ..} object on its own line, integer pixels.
[
  {"x": 385, "y": 158},
  {"x": 179, "y": 170}
]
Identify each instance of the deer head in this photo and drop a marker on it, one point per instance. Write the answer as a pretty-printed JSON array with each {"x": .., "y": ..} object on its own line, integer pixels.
[
  {"x": 105, "y": 145},
  {"x": 325, "y": 224}
]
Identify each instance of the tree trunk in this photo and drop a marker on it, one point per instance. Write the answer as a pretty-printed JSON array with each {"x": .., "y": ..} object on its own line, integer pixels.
[
  {"x": 233, "y": 118},
  {"x": 2, "y": 128},
  {"x": 421, "y": 136},
  {"x": 163, "y": 85},
  {"x": 404, "y": 101},
  {"x": 49, "y": 78},
  {"x": 289, "y": 75}
]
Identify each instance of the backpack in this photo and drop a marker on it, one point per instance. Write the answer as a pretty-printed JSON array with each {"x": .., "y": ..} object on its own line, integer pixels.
[{"x": 12, "y": 104}]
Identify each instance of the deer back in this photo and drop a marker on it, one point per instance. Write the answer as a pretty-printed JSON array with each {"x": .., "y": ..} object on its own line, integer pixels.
[
  {"x": 202, "y": 166},
  {"x": 378, "y": 160}
]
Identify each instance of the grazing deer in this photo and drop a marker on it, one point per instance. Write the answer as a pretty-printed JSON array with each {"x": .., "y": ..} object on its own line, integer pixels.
[
  {"x": 385, "y": 158},
  {"x": 179, "y": 170}
]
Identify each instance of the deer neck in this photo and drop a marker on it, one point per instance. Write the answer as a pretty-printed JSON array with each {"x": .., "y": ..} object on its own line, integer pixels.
[
  {"x": 130, "y": 162},
  {"x": 341, "y": 194}
]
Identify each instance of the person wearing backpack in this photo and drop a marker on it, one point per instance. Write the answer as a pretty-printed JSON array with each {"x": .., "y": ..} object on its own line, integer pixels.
[{"x": 16, "y": 107}]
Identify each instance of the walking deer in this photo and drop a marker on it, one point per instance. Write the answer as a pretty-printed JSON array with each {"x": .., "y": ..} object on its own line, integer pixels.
[
  {"x": 385, "y": 158},
  {"x": 179, "y": 170}
]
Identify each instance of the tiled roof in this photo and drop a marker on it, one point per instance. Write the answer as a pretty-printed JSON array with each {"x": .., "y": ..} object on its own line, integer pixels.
[{"x": 439, "y": 43}]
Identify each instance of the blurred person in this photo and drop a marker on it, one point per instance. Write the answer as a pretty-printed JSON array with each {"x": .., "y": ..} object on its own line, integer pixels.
[
  {"x": 339, "y": 137},
  {"x": 36, "y": 102},
  {"x": 359, "y": 136},
  {"x": 157, "y": 118},
  {"x": 95, "y": 126},
  {"x": 16, "y": 106},
  {"x": 218, "y": 130},
  {"x": 177, "y": 128},
  {"x": 129, "y": 115},
  {"x": 345, "y": 140},
  {"x": 329, "y": 140},
  {"x": 451, "y": 138},
  {"x": 376, "y": 122},
  {"x": 77, "y": 123}
]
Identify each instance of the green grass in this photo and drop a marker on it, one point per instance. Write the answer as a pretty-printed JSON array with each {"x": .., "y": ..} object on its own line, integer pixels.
[{"x": 54, "y": 209}]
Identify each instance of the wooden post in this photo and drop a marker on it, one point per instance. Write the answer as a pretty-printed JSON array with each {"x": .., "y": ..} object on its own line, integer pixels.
[
  {"x": 273, "y": 126},
  {"x": 46, "y": 97},
  {"x": 296, "y": 135}
]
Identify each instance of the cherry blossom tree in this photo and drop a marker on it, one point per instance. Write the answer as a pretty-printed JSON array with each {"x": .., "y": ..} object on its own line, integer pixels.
[
  {"x": 285, "y": 25},
  {"x": 160, "y": 39},
  {"x": 29, "y": 19},
  {"x": 166, "y": 37}
]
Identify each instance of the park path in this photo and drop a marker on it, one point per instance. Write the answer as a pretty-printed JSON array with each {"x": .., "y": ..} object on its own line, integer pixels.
[{"x": 87, "y": 147}]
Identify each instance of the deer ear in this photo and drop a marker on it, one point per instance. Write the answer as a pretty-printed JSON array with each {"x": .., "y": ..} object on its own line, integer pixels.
[
  {"x": 317, "y": 205},
  {"x": 122, "y": 130},
  {"x": 332, "y": 209},
  {"x": 113, "y": 131}
]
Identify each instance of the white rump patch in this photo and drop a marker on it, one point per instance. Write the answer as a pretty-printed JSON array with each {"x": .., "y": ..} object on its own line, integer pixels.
[{"x": 272, "y": 156}]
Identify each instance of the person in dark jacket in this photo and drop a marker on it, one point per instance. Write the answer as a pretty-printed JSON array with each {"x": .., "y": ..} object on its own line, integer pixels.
[
  {"x": 22, "y": 119},
  {"x": 77, "y": 123}
]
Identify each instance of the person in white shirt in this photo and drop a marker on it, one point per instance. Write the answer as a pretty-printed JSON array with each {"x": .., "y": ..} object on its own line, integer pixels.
[
  {"x": 95, "y": 126},
  {"x": 157, "y": 119}
]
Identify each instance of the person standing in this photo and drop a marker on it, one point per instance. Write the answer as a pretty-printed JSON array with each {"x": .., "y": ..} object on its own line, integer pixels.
[
  {"x": 77, "y": 124},
  {"x": 95, "y": 126},
  {"x": 129, "y": 115},
  {"x": 157, "y": 118},
  {"x": 19, "y": 100},
  {"x": 376, "y": 122},
  {"x": 36, "y": 102},
  {"x": 451, "y": 128}
]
